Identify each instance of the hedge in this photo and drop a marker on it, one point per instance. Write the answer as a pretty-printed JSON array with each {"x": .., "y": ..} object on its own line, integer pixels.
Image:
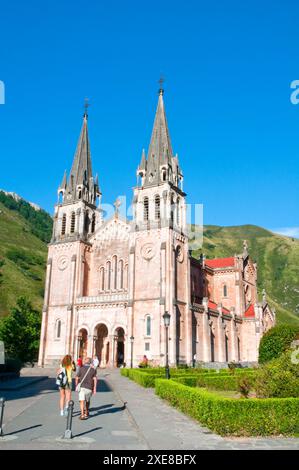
[
  {"x": 229, "y": 416},
  {"x": 146, "y": 380},
  {"x": 219, "y": 382},
  {"x": 222, "y": 381},
  {"x": 193, "y": 371}
]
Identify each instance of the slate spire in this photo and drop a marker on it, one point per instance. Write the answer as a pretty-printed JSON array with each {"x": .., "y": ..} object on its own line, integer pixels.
[
  {"x": 81, "y": 184},
  {"x": 161, "y": 166}
]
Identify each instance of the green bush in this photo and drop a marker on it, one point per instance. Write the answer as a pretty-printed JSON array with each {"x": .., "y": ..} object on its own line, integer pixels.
[
  {"x": 278, "y": 378},
  {"x": 228, "y": 416},
  {"x": 276, "y": 341},
  {"x": 215, "y": 382}
]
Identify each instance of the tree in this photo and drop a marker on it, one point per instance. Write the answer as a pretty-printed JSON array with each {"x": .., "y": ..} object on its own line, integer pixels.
[
  {"x": 276, "y": 341},
  {"x": 20, "y": 331}
]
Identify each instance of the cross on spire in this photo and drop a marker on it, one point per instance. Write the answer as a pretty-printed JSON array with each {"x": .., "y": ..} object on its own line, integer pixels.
[{"x": 161, "y": 89}]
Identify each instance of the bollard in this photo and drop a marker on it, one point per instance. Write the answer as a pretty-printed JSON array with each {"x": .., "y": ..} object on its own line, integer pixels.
[
  {"x": 68, "y": 431},
  {"x": 2, "y": 404}
]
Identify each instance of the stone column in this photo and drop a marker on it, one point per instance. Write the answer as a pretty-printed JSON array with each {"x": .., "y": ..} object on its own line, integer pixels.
[
  {"x": 205, "y": 334},
  {"x": 220, "y": 337},
  {"x": 69, "y": 327}
]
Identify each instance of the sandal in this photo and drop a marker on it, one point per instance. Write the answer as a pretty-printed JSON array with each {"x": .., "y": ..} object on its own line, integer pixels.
[{"x": 82, "y": 417}]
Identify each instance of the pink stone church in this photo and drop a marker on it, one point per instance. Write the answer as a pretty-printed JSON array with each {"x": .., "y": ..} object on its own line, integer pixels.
[{"x": 109, "y": 282}]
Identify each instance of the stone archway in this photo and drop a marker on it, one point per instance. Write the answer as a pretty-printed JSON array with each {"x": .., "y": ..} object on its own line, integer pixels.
[
  {"x": 119, "y": 357},
  {"x": 101, "y": 344},
  {"x": 82, "y": 343}
]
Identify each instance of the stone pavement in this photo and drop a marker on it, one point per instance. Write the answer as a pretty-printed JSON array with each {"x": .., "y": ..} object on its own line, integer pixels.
[{"x": 123, "y": 416}]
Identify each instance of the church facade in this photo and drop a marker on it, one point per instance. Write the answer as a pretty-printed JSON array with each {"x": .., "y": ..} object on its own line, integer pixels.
[{"x": 109, "y": 282}]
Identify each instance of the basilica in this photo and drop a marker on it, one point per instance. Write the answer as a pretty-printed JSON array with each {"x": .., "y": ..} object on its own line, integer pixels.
[{"x": 110, "y": 281}]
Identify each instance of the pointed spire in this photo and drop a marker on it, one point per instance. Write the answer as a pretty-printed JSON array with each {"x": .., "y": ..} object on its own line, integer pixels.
[
  {"x": 64, "y": 181},
  {"x": 142, "y": 166},
  {"x": 81, "y": 171}
]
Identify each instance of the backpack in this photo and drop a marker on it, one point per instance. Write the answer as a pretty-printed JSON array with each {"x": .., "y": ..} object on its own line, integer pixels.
[{"x": 61, "y": 378}]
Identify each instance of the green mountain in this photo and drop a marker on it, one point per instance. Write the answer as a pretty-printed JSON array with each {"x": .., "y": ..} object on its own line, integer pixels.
[
  {"x": 25, "y": 231},
  {"x": 277, "y": 257}
]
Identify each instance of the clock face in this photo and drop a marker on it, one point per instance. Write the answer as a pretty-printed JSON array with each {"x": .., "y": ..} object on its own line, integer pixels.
[
  {"x": 148, "y": 251},
  {"x": 62, "y": 262}
]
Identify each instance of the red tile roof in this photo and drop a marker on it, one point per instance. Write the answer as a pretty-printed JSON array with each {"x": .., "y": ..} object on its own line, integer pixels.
[
  {"x": 250, "y": 311},
  {"x": 220, "y": 262},
  {"x": 212, "y": 305}
]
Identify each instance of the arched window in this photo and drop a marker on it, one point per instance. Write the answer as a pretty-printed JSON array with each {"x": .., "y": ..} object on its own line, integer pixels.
[
  {"x": 212, "y": 344},
  {"x": 171, "y": 207},
  {"x": 79, "y": 193},
  {"x": 60, "y": 197},
  {"x": 86, "y": 222},
  {"x": 225, "y": 290},
  {"x": 73, "y": 222},
  {"x": 126, "y": 277},
  {"x": 157, "y": 207},
  {"x": 239, "y": 348},
  {"x": 108, "y": 275},
  {"x": 121, "y": 274},
  {"x": 93, "y": 223},
  {"x": 145, "y": 209},
  {"x": 58, "y": 329},
  {"x": 178, "y": 209},
  {"x": 163, "y": 174},
  {"x": 148, "y": 326},
  {"x": 102, "y": 278},
  {"x": 63, "y": 226},
  {"x": 226, "y": 348},
  {"x": 114, "y": 272}
]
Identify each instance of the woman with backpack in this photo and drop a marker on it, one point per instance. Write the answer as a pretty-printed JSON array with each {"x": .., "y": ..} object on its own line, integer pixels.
[{"x": 64, "y": 381}]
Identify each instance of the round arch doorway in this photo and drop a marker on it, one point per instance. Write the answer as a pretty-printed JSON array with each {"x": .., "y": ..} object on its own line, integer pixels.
[
  {"x": 119, "y": 357},
  {"x": 101, "y": 344}
]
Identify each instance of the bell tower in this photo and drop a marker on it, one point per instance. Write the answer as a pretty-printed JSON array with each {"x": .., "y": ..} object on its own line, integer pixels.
[
  {"x": 159, "y": 250},
  {"x": 76, "y": 218}
]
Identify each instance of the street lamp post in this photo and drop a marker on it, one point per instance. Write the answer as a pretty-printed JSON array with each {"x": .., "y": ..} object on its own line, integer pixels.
[
  {"x": 166, "y": 318},
  {"x": 132, "y": 341},
  {"x": 79, "y": 345}
]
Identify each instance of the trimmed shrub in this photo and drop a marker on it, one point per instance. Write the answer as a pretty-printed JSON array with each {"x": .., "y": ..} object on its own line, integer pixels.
[
  {"x": 219, "y": 382},
  {"x": 13, "y": 365},
  {"x": 228, "y": 416},
  {"x": 278, "y": 378},
  {"x": 276, "y": 341}
]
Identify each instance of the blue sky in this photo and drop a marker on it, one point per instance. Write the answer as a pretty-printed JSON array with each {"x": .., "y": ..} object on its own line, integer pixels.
[{"x": 228, "y": 67}]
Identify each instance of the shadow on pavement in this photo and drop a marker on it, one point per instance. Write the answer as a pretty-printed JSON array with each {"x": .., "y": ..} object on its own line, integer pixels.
[
  {"x": 45, "y": 386},
  {"x": 23, "y": 430},
  {"x": 87, "y": 432}
]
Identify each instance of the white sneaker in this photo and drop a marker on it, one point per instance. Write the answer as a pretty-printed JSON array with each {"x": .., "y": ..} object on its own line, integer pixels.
[{"x": 61, "y": 412}]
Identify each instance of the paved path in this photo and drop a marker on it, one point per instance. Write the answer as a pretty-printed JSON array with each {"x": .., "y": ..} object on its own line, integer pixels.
[{"x": 123, "y": 416}]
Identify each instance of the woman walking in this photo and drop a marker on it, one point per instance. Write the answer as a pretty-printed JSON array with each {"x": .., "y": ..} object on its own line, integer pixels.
[{"x": 67, "y": 366}]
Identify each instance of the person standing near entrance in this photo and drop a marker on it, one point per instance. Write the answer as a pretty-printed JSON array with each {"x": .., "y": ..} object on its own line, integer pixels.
[
  {"x": 67, "y": 366},
  {"x": 86, "y": 385},
  {"x": 95, "y": 362}
]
